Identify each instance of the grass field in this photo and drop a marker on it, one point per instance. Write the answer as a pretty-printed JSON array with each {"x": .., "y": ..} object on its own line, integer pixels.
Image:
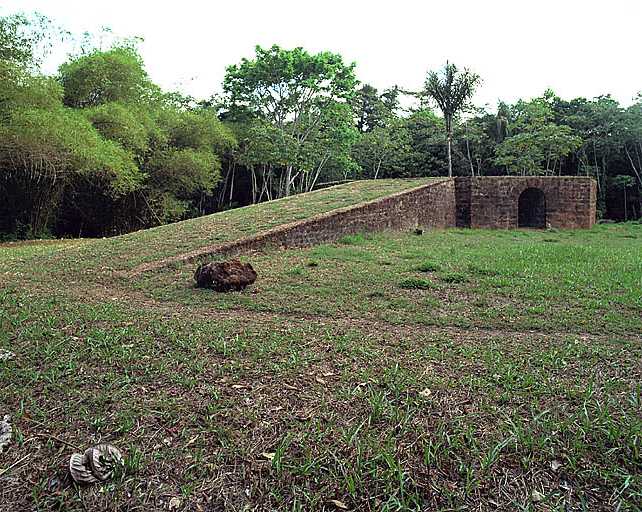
[{"x": 457, "y": 370}]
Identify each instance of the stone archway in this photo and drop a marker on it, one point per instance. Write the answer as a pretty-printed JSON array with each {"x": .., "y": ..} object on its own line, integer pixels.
[{"x": 531, "y": 209}]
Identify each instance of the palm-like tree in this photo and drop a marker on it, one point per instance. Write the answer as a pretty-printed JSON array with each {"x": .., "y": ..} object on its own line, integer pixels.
[{"x": 451, "y": 89}]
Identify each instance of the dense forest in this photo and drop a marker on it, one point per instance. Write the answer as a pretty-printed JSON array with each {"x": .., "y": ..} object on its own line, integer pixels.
[{"x": 99, "y": 149}]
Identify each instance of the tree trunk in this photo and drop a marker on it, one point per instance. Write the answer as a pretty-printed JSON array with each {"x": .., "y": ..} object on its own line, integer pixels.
[
  {"x": 254, "y": 184},
  {"x": 450, "y": 158},
  {"x": 288, "y": 180},
  {"x": 232, "y": 182},
  {"x": 470, "y": 159},
  {"x": 376, "y": 175}
]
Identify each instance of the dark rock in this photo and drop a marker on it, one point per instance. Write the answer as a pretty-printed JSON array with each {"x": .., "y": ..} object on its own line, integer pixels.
[
  {"x": 419, "y": 231},
  {"x": 225, "y": 276}
]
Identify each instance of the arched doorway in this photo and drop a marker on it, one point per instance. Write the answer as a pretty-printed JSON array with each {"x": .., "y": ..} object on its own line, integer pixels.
[{"x": 531, "y": 209}]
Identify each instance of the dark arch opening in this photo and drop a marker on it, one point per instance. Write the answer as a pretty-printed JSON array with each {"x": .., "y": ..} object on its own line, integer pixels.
[{"x": 531, "y": 209}]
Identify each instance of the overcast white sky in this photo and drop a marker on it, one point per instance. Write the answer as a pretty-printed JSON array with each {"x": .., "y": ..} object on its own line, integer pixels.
[{"x": 519, "y": 47}]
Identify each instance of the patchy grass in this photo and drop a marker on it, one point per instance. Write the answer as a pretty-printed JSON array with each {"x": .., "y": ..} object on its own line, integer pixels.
[
  {"x": 590, "y": 281},
  {"x": 428, "y": 266},
  {"x": 517, "y": 388}
]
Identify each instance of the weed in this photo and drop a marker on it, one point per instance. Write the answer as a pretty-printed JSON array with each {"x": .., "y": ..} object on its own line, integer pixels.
[
  {"x": 415, "y": 283},
  {"x": 454, "y": 277},
  {"x": 357, "y": 239},
  {"x": 429, "y": 266},
  {"x": 367, "y": 394}
]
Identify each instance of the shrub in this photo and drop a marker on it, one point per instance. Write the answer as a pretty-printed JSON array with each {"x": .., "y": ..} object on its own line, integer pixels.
[
  {"x": 454, "y": 277},
  {"x": 352, "y": 239},
  {"x": 428, "y": 266},
  {"x": 415, "y": 283}
]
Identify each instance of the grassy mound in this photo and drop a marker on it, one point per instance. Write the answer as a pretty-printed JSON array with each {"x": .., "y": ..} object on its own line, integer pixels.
[{"x": 128, "y": 251}]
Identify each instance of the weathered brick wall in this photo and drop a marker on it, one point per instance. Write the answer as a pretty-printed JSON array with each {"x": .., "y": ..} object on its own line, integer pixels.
[
  {"x": 570, "y": 201},
  {"x": 462, "y": 200},
  {"x": 484, "y": 202},
  {"x": 431, "y": 206}
]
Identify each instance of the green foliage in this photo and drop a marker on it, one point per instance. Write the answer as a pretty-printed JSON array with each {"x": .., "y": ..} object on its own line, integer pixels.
[
  {"x": 261, "y": 143},
  {"x": 57, "y": 142},
  {"x": 279, "y": 82},
  {"x": 427, "y": 156},
  {"x": 304, "y": 98},
  {"x": 101, "y": 144},
  {"x": 183, "y": 172},
  {"x": 24, "y": 39},
  {"x": 538, "y": 144},
  {"x": 451, "y": 90},
  {"x": 383, "y": 151},
  {"x": 373, "y": 110},
  {"x": 124, "y": 124},
  {"x": 104, "y": 77},
  {"x": 200, "y": 130},
  {"x": 99, "y": 149},
  {"x": 415, "y": 283},
  {"x": 20, "y": 88}
]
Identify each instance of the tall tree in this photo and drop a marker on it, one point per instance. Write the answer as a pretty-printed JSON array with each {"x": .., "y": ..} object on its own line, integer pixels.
[
  {"x": 25, "y": 40},
  {"x": 293, "y": 90},
  {"x": 537, "y": 144},
  {"x": 452, "y": 91},
  {"x": 383, "y": 151},
  {"x": 101, "y": 77}
]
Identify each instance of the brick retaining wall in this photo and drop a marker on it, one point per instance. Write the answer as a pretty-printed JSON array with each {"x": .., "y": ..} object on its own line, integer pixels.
[
  {"x": 431, "y": 206},
  {"x": 492, "y": 202},
  {"x": 482, "y": 202}
]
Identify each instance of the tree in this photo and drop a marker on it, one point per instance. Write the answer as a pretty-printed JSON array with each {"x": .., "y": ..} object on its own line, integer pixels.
[
  {"x": 623, "y": 182},
  {"x": 24, "y": 40},
  {"x": 427, "y": 155},
  {"x": 452, "y": 90},
  {"x": 374, "y": 110},
  {"x": 476, "y": 142},
  {"x": 261, "y": 149},
  {"x": 538, "y": 145},
  {"x": 105, "y": 76},
  {"x": 43, "y": 149},
  {"x": 384, "y": 150},
  {"x": 292, "y": 90}
]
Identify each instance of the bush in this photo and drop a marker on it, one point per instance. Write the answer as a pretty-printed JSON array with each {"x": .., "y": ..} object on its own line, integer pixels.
[
  {"x": 352, "y": 239},
  {"x": 428, "y": 266},
  {"x": 454, "y": 277},
  {"x": 415, "y": 283}
]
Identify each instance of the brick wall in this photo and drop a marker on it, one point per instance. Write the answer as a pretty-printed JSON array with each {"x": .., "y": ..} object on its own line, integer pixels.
[
  {"x": 493, "y": 201},
  {"x": 484, "y": 202},
  {"x": 431, "y": 206},
  {"x": 462, "y": 199}
]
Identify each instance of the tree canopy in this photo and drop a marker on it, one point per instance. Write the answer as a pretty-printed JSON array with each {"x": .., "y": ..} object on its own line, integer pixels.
[
  {"x": 452, "y": 91},
  {"x": 305, "y": 98},
  {"x": 98, "y": 148}
]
